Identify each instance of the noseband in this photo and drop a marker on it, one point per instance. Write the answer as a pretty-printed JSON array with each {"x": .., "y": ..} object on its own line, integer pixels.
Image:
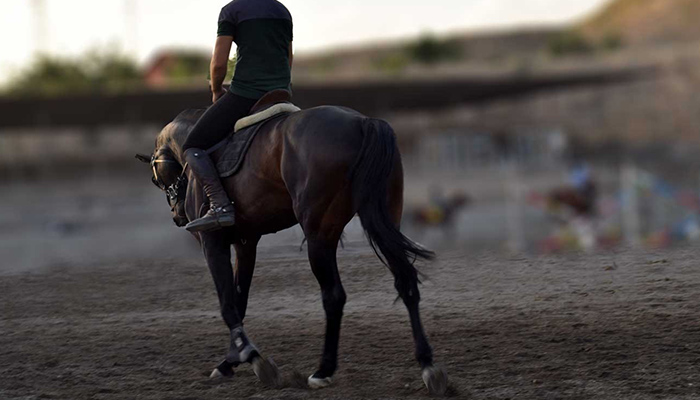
[{"x": 176, "y": 192}]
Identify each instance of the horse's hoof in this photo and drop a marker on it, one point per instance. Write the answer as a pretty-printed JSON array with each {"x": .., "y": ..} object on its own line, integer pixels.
[
  {"x": 224, "y": 370},
  {"x": 266, "y": 370},
  {"x": 319, "y": 383},
  {"x": 435, "y": 379},
  {"x": 217, "y": 374}
]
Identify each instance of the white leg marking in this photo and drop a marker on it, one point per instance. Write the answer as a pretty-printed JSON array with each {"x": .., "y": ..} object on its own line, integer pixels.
[
  {"x": 435, "y": 379},
  {"x": 216, "y": 374},
  {"x": 319, "y": 383}
]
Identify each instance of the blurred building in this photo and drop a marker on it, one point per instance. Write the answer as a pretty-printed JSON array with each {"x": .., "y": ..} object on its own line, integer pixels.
[{"x": 177, "y": 68}]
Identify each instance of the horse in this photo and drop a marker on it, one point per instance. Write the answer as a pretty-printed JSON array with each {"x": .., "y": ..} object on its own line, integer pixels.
[{"x": 317, "y": 168}]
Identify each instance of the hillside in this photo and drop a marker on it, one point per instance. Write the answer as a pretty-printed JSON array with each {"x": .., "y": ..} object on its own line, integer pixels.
[
  {"x": 492, "y": 52},
  {"x": 643, "y": 22}
]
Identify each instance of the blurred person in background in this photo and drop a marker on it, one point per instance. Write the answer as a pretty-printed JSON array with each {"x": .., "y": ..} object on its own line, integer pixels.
[
  {"x": 582, "y": 181},
  {"x": 578, "y": 198},
  {"x": 262, "y": 30}
]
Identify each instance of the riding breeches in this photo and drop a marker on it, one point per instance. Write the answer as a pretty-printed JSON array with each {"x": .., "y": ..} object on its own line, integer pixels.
[{"x": 218, "y": 121}]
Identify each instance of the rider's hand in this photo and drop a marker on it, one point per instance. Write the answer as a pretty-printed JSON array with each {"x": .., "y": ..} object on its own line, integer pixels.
[{"x": 216, "y": 94}]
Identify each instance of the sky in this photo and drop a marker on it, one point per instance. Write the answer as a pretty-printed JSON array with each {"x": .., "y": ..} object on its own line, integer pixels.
[{"x": 140, "y": 27}]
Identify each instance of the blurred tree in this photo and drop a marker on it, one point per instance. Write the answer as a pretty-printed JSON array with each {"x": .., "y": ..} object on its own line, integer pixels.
[
  {"x": 186, "y": 67},
  {"x": 181, "y": 68},
  {"x": 569, "y": 42},
  {"x": 428, "y": 49},
  {"x": 574, "y": 42},
  {"x": 94, "y": 72},
  {"x": 393, "y": 63},
  {"x": 112, "y": 71},
  {"x": 325, "y": 65},
  {"x": 50, "y": 76},
  {"x": 612, "y": 41}
]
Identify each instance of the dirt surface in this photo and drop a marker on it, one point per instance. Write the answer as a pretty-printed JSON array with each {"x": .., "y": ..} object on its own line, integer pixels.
[{"x": 608, "y": 326}]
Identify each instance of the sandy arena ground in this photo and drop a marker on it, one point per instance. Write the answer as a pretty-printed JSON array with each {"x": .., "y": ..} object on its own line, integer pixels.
[{"x": 612, "y": 326}]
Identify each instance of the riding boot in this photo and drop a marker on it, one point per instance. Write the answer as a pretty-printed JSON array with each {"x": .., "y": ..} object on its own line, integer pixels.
[{"x": 221, "y": 213}]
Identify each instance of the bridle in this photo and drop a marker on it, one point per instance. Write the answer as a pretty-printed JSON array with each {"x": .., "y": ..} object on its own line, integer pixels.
[{"x": 176, "y": 192}]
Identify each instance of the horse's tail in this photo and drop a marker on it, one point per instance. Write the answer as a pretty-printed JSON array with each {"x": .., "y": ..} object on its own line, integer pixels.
[{"x": 370, "y": 189}]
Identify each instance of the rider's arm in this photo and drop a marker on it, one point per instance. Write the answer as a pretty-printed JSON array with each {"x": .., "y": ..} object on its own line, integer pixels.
[
  {"x": 291, "y": 55},
  {"x": 219, "y": 62}
]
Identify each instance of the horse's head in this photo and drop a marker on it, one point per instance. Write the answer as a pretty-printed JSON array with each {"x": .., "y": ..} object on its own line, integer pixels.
[
  {"x": 167, "y": 175},
  {"x": 166, "y": 162}
]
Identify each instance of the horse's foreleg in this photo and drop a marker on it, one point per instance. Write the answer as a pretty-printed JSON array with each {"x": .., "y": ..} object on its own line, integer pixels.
[
  {"x": 322, "y": 256},
  {"x": 243, "y": 272},
  {"x": 217, "y": 252}
]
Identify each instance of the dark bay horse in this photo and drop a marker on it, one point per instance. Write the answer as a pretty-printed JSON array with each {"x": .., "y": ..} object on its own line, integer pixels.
[{"x": 317, "y": 168}]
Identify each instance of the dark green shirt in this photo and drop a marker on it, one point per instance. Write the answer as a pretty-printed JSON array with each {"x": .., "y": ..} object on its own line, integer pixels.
[{"x": 262, "y": 30}]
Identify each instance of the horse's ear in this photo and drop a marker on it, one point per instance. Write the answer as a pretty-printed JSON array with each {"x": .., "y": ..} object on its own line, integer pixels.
[{"x": 143, "y": 158}]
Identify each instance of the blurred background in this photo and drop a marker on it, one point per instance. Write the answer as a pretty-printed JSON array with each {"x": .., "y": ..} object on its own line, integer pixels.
[{"x": 540, "y": 126}]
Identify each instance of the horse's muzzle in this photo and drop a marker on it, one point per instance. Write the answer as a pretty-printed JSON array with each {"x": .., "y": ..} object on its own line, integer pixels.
[{"x": 180, "y": 221}]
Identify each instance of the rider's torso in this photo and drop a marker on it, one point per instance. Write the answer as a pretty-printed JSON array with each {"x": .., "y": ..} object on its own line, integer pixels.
[{"x": 262, "y": 30}]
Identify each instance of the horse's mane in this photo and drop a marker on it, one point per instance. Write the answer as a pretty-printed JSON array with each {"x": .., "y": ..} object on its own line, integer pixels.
[
  {"x": 190, "y": 116},
  {"x": 174, "y": 134}
]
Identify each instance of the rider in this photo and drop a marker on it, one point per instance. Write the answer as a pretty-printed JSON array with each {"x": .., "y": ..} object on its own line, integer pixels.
[{"x": 262, "y": 30}]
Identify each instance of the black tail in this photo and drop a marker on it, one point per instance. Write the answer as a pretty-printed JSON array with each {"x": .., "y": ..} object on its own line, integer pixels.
[{"x": 370, "y": 188}]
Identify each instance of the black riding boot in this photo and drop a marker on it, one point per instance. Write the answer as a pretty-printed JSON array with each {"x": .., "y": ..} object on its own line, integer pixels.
[{"x": 220, "y": 213}]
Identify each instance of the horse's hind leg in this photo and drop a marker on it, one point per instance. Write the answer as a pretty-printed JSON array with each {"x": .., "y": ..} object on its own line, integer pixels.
[
  {"x": 434, "y": 377},
  {"x": 322, "y": 256},
  {"x": 408, "y": 291}
]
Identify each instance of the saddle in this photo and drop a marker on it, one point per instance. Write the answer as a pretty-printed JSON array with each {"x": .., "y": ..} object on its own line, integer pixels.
[{"x": 230, "y": 152}]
